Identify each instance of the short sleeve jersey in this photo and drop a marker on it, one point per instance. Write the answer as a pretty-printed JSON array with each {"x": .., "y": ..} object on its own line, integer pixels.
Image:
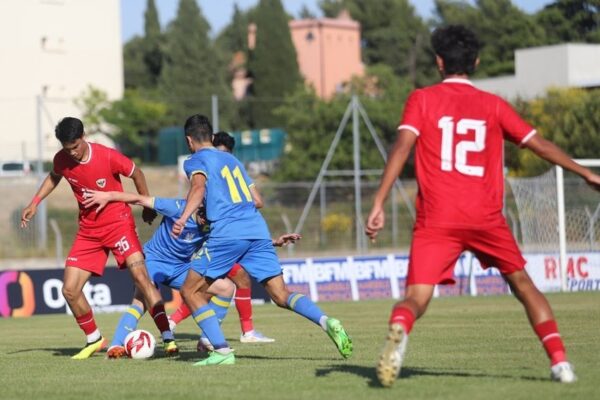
[
  {"x": 459, "y": 156},
  {"x": 162, "y": 246},
  {"x": 229, "y": 205},
  {"x": 101, "y": 171}
]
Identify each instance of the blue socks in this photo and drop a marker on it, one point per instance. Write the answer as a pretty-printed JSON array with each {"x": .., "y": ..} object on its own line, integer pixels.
[
  {"x": 304, "y": 306},
  {"x": 207, "y": 320},
  {"x": 128, "y": 323}
]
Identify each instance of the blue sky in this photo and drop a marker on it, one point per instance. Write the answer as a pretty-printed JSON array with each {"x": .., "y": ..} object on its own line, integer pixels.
[{"x": 219, "y": 12}]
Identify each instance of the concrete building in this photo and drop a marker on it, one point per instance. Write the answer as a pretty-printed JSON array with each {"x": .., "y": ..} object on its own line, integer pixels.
[
  {"x": 53, "y": 49},
  {"x": 540, "y": 68},
  {"x": 328, "y": 51}
]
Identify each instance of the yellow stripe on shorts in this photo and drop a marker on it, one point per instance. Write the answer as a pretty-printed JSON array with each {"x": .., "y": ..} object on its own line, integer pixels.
[{"x": 206, "y": 314}]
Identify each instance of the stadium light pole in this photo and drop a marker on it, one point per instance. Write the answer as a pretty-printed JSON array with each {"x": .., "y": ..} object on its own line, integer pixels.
[{"x": 41, "y": 220}]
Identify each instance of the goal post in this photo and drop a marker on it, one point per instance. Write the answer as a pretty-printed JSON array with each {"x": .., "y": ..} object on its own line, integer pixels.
[{"x": 562, "y": 225}]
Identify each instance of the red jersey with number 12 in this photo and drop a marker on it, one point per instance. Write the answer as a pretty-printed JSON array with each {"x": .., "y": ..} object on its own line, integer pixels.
[
  {"x": 101, "y": 171},
  {"x": 459, "y": 156}
]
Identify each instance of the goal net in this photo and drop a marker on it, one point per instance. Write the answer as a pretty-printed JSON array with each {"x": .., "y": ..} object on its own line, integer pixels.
[{"x": 558, "y": 216}]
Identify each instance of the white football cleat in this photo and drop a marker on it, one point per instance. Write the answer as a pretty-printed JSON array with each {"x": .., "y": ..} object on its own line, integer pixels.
[
  {"x": 563, "y": 372},
  {"x": 390, "y": 360},
  {"x": 255, "y": 337}
]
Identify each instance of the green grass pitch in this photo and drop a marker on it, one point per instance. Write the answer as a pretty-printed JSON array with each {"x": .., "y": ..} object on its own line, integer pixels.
[{"x": 464, "y": 348}]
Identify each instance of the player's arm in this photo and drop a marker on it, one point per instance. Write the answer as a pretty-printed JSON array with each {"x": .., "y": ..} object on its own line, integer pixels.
[
  {"x": 258, "y": 200},
  {"x": 47, "y": 186},
  {"x": 194, "y": 201},
  {"x": 550, "y": 152},
  {"x": 139, "y": 180},
  {"x": 286, "y": 239},
  {"x": 101, "y": 199},
  {"x": 393, "y": 168}
]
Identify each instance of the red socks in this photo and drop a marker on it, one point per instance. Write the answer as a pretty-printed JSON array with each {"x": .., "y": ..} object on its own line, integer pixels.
[
  {"x": 160, "y": 317},
  {"x": 243, "y": 303},
  {"x": 548, "y": 333},
  {"x": 87, "y": 323},
  {"x": 403, "y": 316},
  {"x": 181, "y": 313}
]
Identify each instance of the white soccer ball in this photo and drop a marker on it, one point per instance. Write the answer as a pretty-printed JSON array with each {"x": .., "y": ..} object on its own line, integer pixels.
[{"x": 140, "y": 344}]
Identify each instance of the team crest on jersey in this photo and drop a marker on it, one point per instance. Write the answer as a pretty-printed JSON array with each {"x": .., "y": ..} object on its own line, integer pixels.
[
  {"x": 101, "y": 183},
  {"x": 189, "y": 237}
]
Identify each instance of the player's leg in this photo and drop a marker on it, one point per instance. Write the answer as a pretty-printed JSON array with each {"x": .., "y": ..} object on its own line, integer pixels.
[
  {"x": 73, "y": 281},
  {"x": 128, "y": 323},
  {"x": 154, "y": 303},
  {"x": 433, "y": 255},
  {"x": 262, "y": 264},
  {"x": 219, "y": 296},
  {"x": 542, "y": 320},
  {"x": 243, "y": 304},
  {"x": 194, "y": 293},
  {"x": 497, "y": 247}
]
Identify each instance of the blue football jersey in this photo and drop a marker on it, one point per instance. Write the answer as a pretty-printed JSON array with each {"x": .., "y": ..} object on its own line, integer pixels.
[
  {"x": 229, "y": 205},
  {"x": 165, "y": 247}
]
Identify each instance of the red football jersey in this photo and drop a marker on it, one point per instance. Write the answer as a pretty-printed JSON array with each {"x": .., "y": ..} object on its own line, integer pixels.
[
  {"x": 459, "y": 156},
  {"x": 102, "y": 172}
]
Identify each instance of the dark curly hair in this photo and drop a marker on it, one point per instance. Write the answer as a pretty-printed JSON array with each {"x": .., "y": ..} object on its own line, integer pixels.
[{"x": 458, "y": 47}]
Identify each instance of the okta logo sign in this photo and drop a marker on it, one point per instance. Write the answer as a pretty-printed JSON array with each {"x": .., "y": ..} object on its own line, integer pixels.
[{"x": 10, "y": 281}]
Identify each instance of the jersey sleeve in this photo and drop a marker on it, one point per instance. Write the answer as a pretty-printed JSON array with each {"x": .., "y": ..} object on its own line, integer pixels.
[
  {"x": 195, "y": 165},
  {"x": 57, "y": 164},
  {"x": 513, "y": 126},
  {"x": 412, "y": 117},
  {"x": 121, "y": 164},
  {"x": 169, "y": 207}
]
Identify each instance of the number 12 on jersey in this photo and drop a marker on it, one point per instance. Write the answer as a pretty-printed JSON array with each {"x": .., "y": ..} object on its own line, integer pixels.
[
  {"x": 233, "y": 188},
  {"x": 458, "y": 155}
]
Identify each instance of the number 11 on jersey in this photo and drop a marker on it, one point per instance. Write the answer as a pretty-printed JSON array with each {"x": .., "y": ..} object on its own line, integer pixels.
[{"x": 233, "y": 189}]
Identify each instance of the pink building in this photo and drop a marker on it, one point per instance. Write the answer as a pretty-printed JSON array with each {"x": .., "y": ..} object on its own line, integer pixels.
[{"x": 328, "y": 52}]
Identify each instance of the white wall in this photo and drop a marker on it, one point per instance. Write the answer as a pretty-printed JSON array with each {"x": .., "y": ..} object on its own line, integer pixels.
[
  {"x": 54, "y": 48},
  {"x": 540, "y": 68}
]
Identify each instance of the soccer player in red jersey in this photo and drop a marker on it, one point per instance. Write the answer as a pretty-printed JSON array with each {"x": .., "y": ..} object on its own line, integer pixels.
[
  {"x": 92, "y": 166},
  {"x": 459, "y": 134}
]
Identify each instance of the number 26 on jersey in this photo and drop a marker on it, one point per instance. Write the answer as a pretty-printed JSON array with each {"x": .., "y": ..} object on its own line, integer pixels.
[{"x": 454, "y": 155}]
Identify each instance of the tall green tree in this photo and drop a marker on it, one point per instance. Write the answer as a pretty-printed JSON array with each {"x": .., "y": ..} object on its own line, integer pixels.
[
  {"x": 192, "y": 70},
  {"x": 273, "y": 63},
  {"x": 134, "y": 68},
  {"x": 152, "y": 43},
  {"x": 571, "y": 21},
  {"x": 393, "y": 34},
  {"x": 501, "y": 27}
]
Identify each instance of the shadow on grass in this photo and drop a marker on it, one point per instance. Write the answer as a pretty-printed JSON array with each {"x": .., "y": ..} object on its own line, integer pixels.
[{"x": 407, "y": 373}]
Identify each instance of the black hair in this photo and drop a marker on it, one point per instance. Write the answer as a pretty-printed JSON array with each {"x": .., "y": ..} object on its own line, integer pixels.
[
  {"x": 458, "y": 47},
  {"x": 199, "y": 128},
  {"x": 224, "y": 139},
  {"x": 68, "y": 130}
]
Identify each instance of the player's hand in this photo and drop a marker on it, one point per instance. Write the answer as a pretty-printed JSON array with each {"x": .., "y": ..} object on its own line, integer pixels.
[
  {"x": 177, "y": 228},
  {"x": 27, "y": 213},
  {"x": 95, "y": 198},
  {"x": 375, "y": 222},
  {"x": 594, "y": 181},
  {"x": 286, "y": 239},
  {"x": 148, "y": 215}
]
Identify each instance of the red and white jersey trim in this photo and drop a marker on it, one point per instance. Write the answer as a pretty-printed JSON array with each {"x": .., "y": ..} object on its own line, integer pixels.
[
  {"x": 527, "y": 137},
  {"x": 410, "y": 128}
]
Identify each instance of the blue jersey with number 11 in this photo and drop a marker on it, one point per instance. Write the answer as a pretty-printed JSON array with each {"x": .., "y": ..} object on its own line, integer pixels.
[{"x": 229, "y": 205}]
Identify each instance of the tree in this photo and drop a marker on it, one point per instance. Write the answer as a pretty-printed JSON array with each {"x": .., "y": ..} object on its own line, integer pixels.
[
  {"x": 92, "y": 103},
  {"x": 272, "y": 64},
  {"x": 135, "y": 72},
  {"x": 569, "y": 118},
  {"x": 192, "y": 70},
  {"x": 501, "y": 27},
  {"x": 152, "y": 43},
  {"x": 571, "y": 21},
  {"x": 392, "y": 34}
]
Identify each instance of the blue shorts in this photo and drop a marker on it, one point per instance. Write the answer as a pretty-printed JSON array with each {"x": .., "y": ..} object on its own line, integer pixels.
[
  {"x": 171, "y": 274},
  {"x": 216, "y": 257}
]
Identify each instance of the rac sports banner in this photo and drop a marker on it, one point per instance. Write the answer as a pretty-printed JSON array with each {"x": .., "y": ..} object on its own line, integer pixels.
[{"x": 25, "y": 293}]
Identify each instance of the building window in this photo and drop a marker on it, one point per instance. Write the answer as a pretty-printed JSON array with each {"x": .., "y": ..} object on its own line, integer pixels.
[
  {"x": 247, "y": 138},
  {"x": 265, "y": 136}
]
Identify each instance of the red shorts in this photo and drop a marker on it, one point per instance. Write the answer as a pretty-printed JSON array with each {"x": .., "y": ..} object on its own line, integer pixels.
[
  {"x": 90, "y": 248},
  {"x": 434, "y": 252}
]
